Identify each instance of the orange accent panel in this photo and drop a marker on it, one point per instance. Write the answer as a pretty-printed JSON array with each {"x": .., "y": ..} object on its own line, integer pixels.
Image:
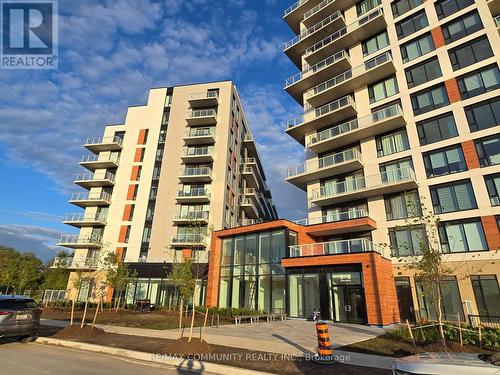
[
  {"x": 187, "y": 253},
  {"x": 127, "y": 211},
  {"x": 135, "y": 173},
  {"x": 491, "y": 231},
  {"x": 438, "y": 37},
  {"x": 123, "y": 233},
  {"x": 139, "y": 154},
  {"x": 470, "y": 154},
  {"x": 142, "y": 137},
  {"x": 131, "y": 192},
  {"x": 119, "y": 253},
  {"x": 452, "y": 90}
]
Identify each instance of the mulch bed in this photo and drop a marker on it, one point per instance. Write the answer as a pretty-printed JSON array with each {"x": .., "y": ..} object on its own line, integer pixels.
[{"x": 253, "y": 360}]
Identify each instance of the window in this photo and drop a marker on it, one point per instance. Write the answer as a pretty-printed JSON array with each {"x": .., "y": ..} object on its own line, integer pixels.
[
  {"x": 479, "y": 82},
  {"x": 127, "y": 234},
  {"x": 445, "y": 8},
  {"x": 470, "y": 53},
  {"x": 436, "y": 129},
  {"x": 406, "y": 241},
  {"x": 411, "y": 24},
  {"x": 444, "y": 161},
  {"x": 417, "y": 47},
  {"x": 455, "y": 196},
  {"x": 493, "y": 187},
  {"x": 487, "y": 295},
  {"x": 391, "y": 143},
  {"x": 402, "y": 205},
  {"x": 483, "y": 115},
  {"x": 451, "y": 303},
  {"x": 488, "y": 151},
  {"x": 383, "y": 89},
  {"x": 367, "y": 5},
  {"x": 375, "y": 43},
  {"x": 465, "y": 25},
  {"x": 400, "y": 7},
  {"x": 429, "y": 99},
  {"x": 462, "y": 235},
  {"x": 396, "y": 170},
  {"x": 423, "y": 72}
]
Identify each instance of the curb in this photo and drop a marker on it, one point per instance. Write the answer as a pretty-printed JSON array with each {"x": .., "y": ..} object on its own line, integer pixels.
[{"x": 194, "y": 366}]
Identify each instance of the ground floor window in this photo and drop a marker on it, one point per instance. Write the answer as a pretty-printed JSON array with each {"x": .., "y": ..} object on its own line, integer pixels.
[
  {"x": 451, "y": 303},
  {"x": 487, "y": 295}
]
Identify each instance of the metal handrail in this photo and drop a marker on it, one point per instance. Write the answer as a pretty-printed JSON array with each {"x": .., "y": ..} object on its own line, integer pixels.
[
  {"x": 88, "y": 196},
  {"x": 196, "y": 192},
  {"x": 188, "y": 238},
  {"x": 312, "y": 29},
  {"x": 294, "y": 6},
  {"x": 191, "y": 215},
  {"x": 334, "y": 217},
  {"x": 317, "y": 8},
  {"x": 103, "y": 140},
  {"x": 204, "y": 95},
  {"x": 93, "y": 158},
  {"x": 83, "y": 217},
  {"x": 71, "y": 262},
  {"x": 196, "y": 171},
  {"x": 75, "y": 238},
  {"x": 357, "y": 245},
  {"x": 198, "y": 151},
  {"x": 95, "y": 176},
  {"x": 200, "y": 132},
  {"x": 201, "y": 113},
  {"x": 324, "y": 162}
]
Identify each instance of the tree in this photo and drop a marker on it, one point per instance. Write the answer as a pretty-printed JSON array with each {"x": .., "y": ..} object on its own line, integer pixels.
[
  {"x": 56, "y": 277},
  {"x": 19, "y": 271},
  {"x": 117, "y": 275}
]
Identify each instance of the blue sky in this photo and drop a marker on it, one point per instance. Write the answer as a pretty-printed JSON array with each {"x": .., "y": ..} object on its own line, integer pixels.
[{"x": 111, "y": 52}]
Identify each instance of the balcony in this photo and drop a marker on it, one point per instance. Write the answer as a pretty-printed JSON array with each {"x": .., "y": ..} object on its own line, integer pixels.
[
  {"x": 497, "y": 23},
  {"x": 365, "y": 26},
  {"x": 90, "y": 180},
  {"x": 191, "y": 217},
  {"x": 250, "y": 221},
  {"x": 81, "y": 263},
  {"x": 314, "y": 75},
  {"x": 332, "y": 165},
  {"x": 202, "y": 117},
  {"x": 320, "y": 117},
  {"x": 90, "y": 199},
  {"x": 295, "y": 47},
  {"x": 200, "y": 174},
  {"x": 382, "y": 121},
  {"x": 359, "y": 245},
  {"x": 250, "y": 144},
  {"x": 339, "y": 223},
  {"x": 196, "y": 136},
  {"x": 100, "y": 144},
  {"x": 315, "y": 14},
  {"x": 80, "y": 220},
  {"x": 294, "y": 14},
  {"x": 371, "y": 71},
  {"x": 188, "y": 239},
  {"x": 255, "y": 196},
  {"x": 198, "y": 155},
  {"x": 196, "y": 195},
  {"x": 93, "y": 162},
  {"x": 388, "y": 182},
  {"x": 248, "y": 206},
  {"x": 494, "y": 6},
  {"x": 204, "y": 99},
  {"x": 75, "y": 241}
]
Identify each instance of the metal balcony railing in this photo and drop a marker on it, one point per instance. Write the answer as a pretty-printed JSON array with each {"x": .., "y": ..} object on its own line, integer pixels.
[
  {"x": 81, "y": 217},
  {"x": 497, "y": 21},
  {"x": 203, "y": 171},
  {"x": 335, "y": 247},
  {"x": 97, "y": 158},
  {"x": 325, "y": 162},
  {"x": 200, "y": 132},
  {"x": 334, "y": 217},
  {"x": 198, "y": 151},
  {"x": 95, "y": 176},
  {"x": 103, "y": 140},
  {"x": 294, "y": 6},
  {"x": 201, "y": 113},
  {"x": 362, "y": 122},
  {"x": 248, "y": 138},
  {"x": 191, "y": 215},
  {"x": 312, "y": 30},
  {"x": 77, "y": 239},
  {"x": 75, "y": 263},
  {"x": 317, "y": 8},
  {"x": 362, "y": 183},
  {"x": 197, "y": 192},
  {"x": 190, "y": 238},
  {"x": 91, "y": 196},
  {"x": 204, "y": 95}
]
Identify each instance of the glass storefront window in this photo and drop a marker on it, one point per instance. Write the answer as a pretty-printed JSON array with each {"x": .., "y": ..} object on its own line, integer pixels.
[
  {"x": 451, "y": 303},
  {"x": 238, "y": 250},
  {"x": 278, "y": 294},
  {"x": 226, "y": 251},
  {"x": 225, "y": 284},
  {"x": 264, "y": 299},
  {"x": 278, "y": 250},
  {"x": 295, "y": 295},
  {"x": 264, "y": 248},
  {"x": 251, "y": 249}
]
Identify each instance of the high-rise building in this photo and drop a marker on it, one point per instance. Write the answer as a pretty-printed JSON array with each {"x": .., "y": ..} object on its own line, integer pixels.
[
  {"x": 401, "y": 102},
  {"x": 179, "y": 167}
]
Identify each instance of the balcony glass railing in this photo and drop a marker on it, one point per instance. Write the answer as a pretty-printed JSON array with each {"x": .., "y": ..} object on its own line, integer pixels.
[
  {"x": 75, "y": 263},
  {"x": 497, "y": 21},
  {"x": 191, "y": 215},
  {"x": 81, "y": 217},
  {"x": 312, "y": 30},
  {"x": 200, "y": 132},
  {"x": 95, "y": 176},
  {"x": 358, "y": 245},
  {"x": 317, "y": 8},
  {"x": 334, "y": 217},
  {"x": 294, "y": 6},
  {"x": 203, "y": 171},
  {"x": 204, "y": 95},
  {"x": 340, "y": 33},
  {"x": 77, "y": 239},
  {"x": 389, "y": 177},
  {"x": 325, "y": 162},
  {"x": 349, "y": 74},
  {"x": 191, "y": 238},
  {"x": 198, "y": 151},
  {"x": 202, "y": 113},
  {"x": 97, "y": 158},
  {"x": 373, "y": 118},
  {"x": 90, "y": 197},
  {"x": 193, "y": 193},
  {"x": 103, "y": 140}
]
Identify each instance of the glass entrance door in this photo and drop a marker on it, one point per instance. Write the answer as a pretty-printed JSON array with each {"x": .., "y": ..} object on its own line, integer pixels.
[{"x": 348, "y": 304}]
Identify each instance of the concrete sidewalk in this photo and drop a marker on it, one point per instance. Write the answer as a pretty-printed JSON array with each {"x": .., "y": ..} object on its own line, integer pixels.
[{"x": 292, "y": 337}]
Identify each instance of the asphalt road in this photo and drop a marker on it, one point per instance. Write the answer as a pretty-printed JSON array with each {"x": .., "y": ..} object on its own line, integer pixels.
[{"x": 35, "y": 359}]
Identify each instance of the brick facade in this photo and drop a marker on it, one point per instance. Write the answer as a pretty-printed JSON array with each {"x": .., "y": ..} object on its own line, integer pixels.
[
  {"x": 438, "y": 37},
  {"x": 452, "y": 90},
  {"x": 470, "y": 154},
  {"x": 491, "y": 231}
]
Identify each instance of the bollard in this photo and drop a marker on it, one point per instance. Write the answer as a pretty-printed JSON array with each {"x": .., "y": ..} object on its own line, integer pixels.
[{"x": 325, "y": 351}]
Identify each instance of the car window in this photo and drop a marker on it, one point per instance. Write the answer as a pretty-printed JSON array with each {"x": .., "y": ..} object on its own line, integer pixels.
[{"x": 13, "y": 304}]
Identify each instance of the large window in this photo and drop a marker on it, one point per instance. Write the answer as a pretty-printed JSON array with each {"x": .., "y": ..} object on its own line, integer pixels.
[
  {"x": 436, "y": 129},
  {"x": 487, "y": 296},
  {"x": 445, "y": 161},
  {"x": 462, "y": 235},
  {"x": 393, "y": 142},
  {"x": 400, "y": 7},
  {"x": 375, "y": 43},
  {"x": 423, "y": 72},
  {"x": 483, "y": 115},
  {"x": 470, "y": 53},
  {"x": 493, "y": 185},
  {"x": 407, "y": 241},
  {"x": 402, "y": 205},
  {"x": 454, "y": 196},
  {"x": 366, "y": 5},
  {"x": 451, "y": 303},
  {"x": 488, "y": 150},
  {"x": 465, "y": 25},
  {"x": 411, "y": 24},
  {"x": 479, "y": 82},
  {"x": 417, "y": 47},
  {"x": 396, "y": 170},
  {"x": 429, "y": 99},
  {"x": 445, "y": 8},
  {"x": 383, "y": 89}
]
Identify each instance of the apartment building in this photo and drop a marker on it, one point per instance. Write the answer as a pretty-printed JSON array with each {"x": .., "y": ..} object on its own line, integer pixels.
[
  {"x": 401, "y": 108},
  {"x": 157, "y": 185}
]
